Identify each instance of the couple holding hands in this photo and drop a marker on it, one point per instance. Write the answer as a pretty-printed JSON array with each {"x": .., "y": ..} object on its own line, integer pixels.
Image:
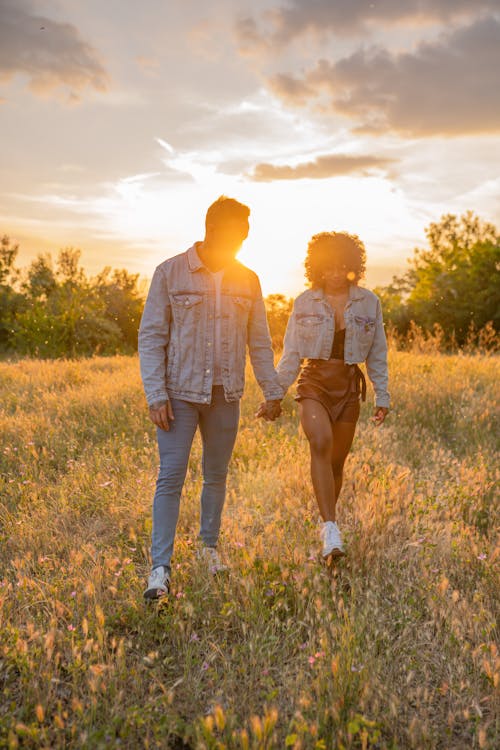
[{"x": 203, "y": 310}]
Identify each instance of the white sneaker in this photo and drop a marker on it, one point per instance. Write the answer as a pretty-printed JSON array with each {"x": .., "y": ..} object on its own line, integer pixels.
[
  {"x": 332, "y": 541},
  {"x": 210, "y": 557},
  {"x": 158, "y": 583}
]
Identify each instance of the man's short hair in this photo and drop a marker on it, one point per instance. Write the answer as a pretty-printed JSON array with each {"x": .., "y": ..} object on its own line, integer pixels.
[{"x": 226, "y": 208}]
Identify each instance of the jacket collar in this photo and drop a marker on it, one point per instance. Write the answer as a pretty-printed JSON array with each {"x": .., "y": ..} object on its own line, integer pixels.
[
  {"x": 355, "y": 292},
  {"x": 195, "y": 263},
  {"x": 194, "y": 260}
]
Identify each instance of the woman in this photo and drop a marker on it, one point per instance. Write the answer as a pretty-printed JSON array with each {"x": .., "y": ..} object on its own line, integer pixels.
[{"x": 335, "y": 325}]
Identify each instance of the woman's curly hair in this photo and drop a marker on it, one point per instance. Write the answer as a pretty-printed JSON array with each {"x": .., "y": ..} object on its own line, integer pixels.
[{"x": 328, "y": 249}]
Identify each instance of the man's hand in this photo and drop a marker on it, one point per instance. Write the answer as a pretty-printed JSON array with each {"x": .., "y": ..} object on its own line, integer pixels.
[
  {"x": 379, "y": 415},
  {"x": 161, "y": 414},
  {"x": 269, "y": 410}
]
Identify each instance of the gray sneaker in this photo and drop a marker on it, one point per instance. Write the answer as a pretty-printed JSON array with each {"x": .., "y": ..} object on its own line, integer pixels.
[
  {"x": 158, "y": 583},
  {"x": 332, "y": 541},
  {"x": 210, "y": 557}
]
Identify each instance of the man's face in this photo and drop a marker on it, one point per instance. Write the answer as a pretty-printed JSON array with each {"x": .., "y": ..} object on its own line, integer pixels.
[{"x": 227, "y": 237}]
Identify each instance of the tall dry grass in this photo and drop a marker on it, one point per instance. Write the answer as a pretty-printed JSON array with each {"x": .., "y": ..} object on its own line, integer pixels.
[{"x": 395, "y": 649}]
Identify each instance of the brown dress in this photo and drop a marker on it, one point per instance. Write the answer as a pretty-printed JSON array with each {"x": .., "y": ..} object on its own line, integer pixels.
[{"x": 333, "y": 383}]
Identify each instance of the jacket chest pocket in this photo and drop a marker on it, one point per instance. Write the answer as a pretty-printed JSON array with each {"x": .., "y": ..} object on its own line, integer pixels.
[
  {"x": 364, "y": 328},
  {"x": 310, "y": 328},
  {"x": 186, "y": 306}
]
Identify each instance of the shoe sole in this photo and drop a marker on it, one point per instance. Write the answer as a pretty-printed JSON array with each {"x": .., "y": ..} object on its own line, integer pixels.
[
  {"x": 334, "y": 554},
  {"x": 154, "y": 594}
]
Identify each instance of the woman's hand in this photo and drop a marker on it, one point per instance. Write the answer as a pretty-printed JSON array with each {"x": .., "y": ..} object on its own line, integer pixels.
[
  {"x": 269, "y": 410},
  {"x": 379, "y": 415}
]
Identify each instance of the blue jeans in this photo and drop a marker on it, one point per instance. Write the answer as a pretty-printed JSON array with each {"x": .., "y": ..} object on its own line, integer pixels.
[{"x": 218, "y": 423}]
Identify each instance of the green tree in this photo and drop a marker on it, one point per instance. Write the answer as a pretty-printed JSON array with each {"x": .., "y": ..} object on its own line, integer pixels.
[
  {"x": 63, "y": 314},
  {"x": 11, "y": 301},
  {"x": 8, "y": 255},
  {"x": 40, "y": 280},
  {"x": 123, "y": 302},
  {"x": 278, "y": 309},
  {"x": 454, "y": 282}
]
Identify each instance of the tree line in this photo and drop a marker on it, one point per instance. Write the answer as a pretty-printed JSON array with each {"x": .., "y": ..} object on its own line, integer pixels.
[
  {"x": 54, "y": 309},
  {"x": 57, "y": 310},
  {"x": 452, "y": 285}
]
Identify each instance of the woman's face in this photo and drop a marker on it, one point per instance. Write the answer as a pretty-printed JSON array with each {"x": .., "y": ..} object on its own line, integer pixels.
[{"x": 338, "y": 276}]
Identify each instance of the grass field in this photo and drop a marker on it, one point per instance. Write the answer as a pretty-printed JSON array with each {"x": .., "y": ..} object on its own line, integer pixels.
[{"x": 396, "y": 649}]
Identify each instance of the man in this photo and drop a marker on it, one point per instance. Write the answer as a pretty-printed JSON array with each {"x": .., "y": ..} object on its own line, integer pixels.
[{"x": 202, "y": 310}]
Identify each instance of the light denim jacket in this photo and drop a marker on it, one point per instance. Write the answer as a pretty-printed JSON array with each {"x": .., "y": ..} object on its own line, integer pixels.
[
  {"x": 310, "y": 331},
  {"x": 176, "y": 335}
]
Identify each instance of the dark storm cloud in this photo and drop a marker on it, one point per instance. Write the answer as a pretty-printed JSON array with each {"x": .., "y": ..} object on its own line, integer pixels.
[{"x": 51, "y": 54}]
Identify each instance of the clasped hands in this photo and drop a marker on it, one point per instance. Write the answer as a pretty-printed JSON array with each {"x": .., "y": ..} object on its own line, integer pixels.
[
  {"x": 161, "y": 413},
  {"x": 269, "y": 410}
]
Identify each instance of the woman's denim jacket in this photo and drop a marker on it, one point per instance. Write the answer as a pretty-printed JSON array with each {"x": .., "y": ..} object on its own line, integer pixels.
[
  {"x": 310, "y": 331},
  {"x": 176, "y": 335}
]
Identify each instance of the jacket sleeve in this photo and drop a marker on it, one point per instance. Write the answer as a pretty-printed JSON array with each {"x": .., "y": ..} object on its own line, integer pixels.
[
  {"x": 289, "y": 365},
  {"x": 154, "y": 335},
  {"x": 260, "y": 348},
  {"x": 376, "y": 362}
]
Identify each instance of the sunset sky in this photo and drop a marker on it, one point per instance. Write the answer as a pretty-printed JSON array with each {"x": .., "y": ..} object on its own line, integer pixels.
[{"x": 121, "y": 121}]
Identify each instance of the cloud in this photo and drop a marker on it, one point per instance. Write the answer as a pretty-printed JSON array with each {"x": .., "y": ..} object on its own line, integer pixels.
[
  {"x": 350, "y": 17},
  {"x": 50, "y": 53},
  {"x": 148, "y": 65},
  {"x": 328, "y": 165},
  {"x": 445, "y": 87}
]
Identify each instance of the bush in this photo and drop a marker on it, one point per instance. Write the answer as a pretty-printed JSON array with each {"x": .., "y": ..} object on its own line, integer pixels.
[{"x": 63, "y": 312}]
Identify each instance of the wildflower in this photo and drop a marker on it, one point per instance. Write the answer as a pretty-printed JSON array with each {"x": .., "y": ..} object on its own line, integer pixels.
[
  {"x": 311, "y": 660},
  {"x": 194, "y": 637},
  {"x": 71, "y": 627},
  {"x": 482, "y": 556},
  {"x": 205, "y": 666},
  {"x": 73, "y": 594}
]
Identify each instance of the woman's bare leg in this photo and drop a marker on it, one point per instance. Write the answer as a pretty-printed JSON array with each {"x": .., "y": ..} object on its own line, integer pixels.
[
  {"x": 343, "y": 435},
  {"x": 318, "y": 429}
]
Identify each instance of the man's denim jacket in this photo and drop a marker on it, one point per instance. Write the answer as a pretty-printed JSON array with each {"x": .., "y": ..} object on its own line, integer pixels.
[
  {"x": 176, "y": 335},
  {"x": 310, "y": 331}
]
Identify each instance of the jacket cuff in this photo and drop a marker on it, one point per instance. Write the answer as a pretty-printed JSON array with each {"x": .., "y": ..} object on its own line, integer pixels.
[
  {"x": 276, "y": 394},
  {"x": 383, "y": 401},
  {"x": 157, "y": 396}
]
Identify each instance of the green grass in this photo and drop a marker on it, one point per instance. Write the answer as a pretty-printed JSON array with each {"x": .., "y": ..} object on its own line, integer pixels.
[{"x": 395, "y": 649}]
